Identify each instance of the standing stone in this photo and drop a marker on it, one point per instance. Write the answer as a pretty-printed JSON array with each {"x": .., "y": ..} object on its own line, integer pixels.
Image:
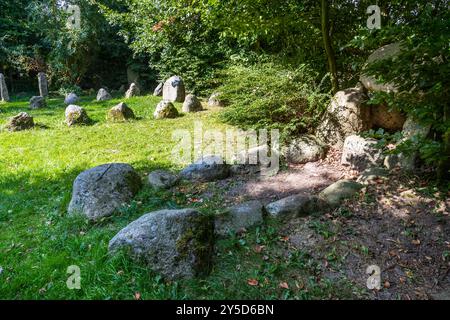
[
  {"x": 360, "y": 153},
  {"x": 37, "y": 102},
  {"x": 175, "y": 243},
  {"x": 158, "y": 90},
  {"x": 192, "y": 104},
  {"x": 174, "y": 90},
  {"x": 4, "y": 95},
  {"x": 133, "y": 91},
  {"x": 43, "y": 84},
  {"x": 103, "y": 95},
  {"x": 76, "y": 115},
  {"x": 165, "y": 109},
  {"x": 22, "y": 121},
  {"x": 101, "y": 191},
  {"x": 120, "y": 112}
]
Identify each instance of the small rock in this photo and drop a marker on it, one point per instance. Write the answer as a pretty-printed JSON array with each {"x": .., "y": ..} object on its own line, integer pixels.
[
  {"x": 133, "y": 91},
  {"x": 165, "y": 109},
  {"x": 215, "y": 100},
  {"x": 304, "y": 149},
  {"x": 339, "y": 191},
  {"x": 372, "y": 174},
  {"x": 158, "y": 90},
  {"x": 103, "y": 95},
  {"x": 71, "y": 98},
  {"x": 37, "y": 102},
  {"x": 120, "y": 112},
  {"x": 293, "y": 207},
  {"x": 192, "y": 104},
  {"x": 360, "y": 153},
  {"x": 241, "y": 216},
  {"x": 161, "y": 179},
  {"x": 100, "y": 191},
  {"x": 22, "y": 121},
  {"x": 209, "y": 168},
  {"x": 76, "y": 115},
  {"x": 176, "y": 243}
]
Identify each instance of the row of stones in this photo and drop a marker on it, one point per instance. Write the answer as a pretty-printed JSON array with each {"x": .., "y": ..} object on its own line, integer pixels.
[{"x": 42, "y": 83}]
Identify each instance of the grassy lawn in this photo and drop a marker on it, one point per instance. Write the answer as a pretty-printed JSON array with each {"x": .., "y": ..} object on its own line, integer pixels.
[{"x": 38, "y": 241}]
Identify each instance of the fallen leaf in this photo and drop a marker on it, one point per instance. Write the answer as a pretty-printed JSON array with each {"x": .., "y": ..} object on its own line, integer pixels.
[
  {"x": 252, "y": 282},
  {"x": 284, "y": 285},
  {"x": 416, "y": 242}
]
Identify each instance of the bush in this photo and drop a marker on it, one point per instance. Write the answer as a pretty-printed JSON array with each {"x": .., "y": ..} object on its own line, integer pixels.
[{"x": 271, "y": 96}]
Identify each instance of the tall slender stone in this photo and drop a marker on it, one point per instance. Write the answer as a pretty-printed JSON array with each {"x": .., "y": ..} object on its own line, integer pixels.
[
  {"x": 43, "y": 84},
  {"x": 4, "y": 96}
]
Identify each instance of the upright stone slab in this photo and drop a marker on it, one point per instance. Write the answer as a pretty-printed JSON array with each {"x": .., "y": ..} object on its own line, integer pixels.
[
  {"x": 3, "y": 89},
  {"x": 43, "y": 84},
  {"x": 173, "y": 90}
]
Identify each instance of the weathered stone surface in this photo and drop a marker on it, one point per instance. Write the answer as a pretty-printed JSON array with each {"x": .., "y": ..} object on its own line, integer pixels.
[
  {"x": 372, "y": 174},
  {"x": 173, "y": 89},
  {"x": 390, "y": 120},
  {"x": 4, "y": 95},
  {"x": 100, "y": 191},
  {"x": 133, "y": 91},
  {"x": 238, "y": 217},
  {"x": 158, "y": 90},
  {"x": 161, "y": 179},
  {"x": 37, "y": 102},
  {"x": 165, "y": 109},
  {"x": 103, "y": 95},
  {"x": 293, "y": 207},
  {"x": 382, "y": 53},
  {"x": 215, "y": 100},
  {"x": 333, "y": 195},
  {"x": 252, "y": 161},
  {"x": 304, "y": 149},
  {"x": 71, "y": 98},
  {"x": 360, "y": 153},
  {"x": 347, "y": 114},
  {"x": 76, "y": 115},
  {"x": 411, "y": 129},
  {"x": 175, "y": 243},
  {"x": 43, "y": 84},
  {"x": 120, "y": 112},
  {"x": 22, "y": 121},
  {"x": 192, "y": 104},
  {"x": 209, "y": 168}
]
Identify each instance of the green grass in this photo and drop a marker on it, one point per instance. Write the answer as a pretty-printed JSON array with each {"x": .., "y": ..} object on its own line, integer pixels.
[{"x": 38, "y": 241}]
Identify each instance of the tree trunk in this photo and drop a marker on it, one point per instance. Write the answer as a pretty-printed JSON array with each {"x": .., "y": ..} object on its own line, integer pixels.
[{"x": 328, "y": 45}]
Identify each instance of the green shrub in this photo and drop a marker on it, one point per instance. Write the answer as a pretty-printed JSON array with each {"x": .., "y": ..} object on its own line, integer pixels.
[{"x": 271, "y": 96}]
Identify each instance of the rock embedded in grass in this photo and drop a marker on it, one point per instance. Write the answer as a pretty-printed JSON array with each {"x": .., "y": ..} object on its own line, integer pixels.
[
  {"x": 293, "y": 206},
  {"x": 238, "y": 217},
  {"x": 175, "y": 243},
  {"x": 165, "y": 109},
  {"x": 336, "y": 193},
  {"x": 71, "y": 98},
  {"x": 192, "y": 104},
  {"x": 20, "y": 122},
  {"x": 133, "y": 91},
  {"x": 76, "y": 115},
  {"x": 103, "y": 95},
  {"x": 120, "y": 112},
  {"x": 209, "y": 168},
  {"x": 304, "y": 149},
  {"x": 37, "y": 102},
  {"x": 161, "y": 179},
  {"x": 215, "y": 100},
  {"x": 101, "y": 191}
]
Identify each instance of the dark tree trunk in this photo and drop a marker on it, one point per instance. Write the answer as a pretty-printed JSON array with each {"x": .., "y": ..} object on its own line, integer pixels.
[{"x": 326, "y": 34}]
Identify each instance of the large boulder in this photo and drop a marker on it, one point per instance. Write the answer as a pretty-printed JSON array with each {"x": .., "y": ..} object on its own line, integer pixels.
[
  {"x": 293, "y": 206},
  {"x": 215, "y": 100},
  {"x": 173, "y": 89},
  {"x": 192, "y": 104},
  {"x": 71, "y": 98},
  {"x": 390, "y": 120},
  {"x": 304, "y": 149},
  {"x": 161, "y": 179},
  {"x": 165, "y": 109},
  {"x": 133, "y": 91},
  {"x": 158, "y": 90},
  {"x": 76, "y": 115},
  {"x": 120, "y": 112},
  {"x": 100, "y": 191},
  {"x": 238, "y": 217},
  {"x": 336, "y": 193},
  {"x": 360, "y": 153},
  {"x": 37, "y": 102},
  {"x": 209, "y": 168},
  {"x": 175, "y": 243},
  {"x": 385, "y": 52},
  {"x": 103, "y": 95},
  {"x": 22, "y": 121},
  {"x": 346, "y": 114}
]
